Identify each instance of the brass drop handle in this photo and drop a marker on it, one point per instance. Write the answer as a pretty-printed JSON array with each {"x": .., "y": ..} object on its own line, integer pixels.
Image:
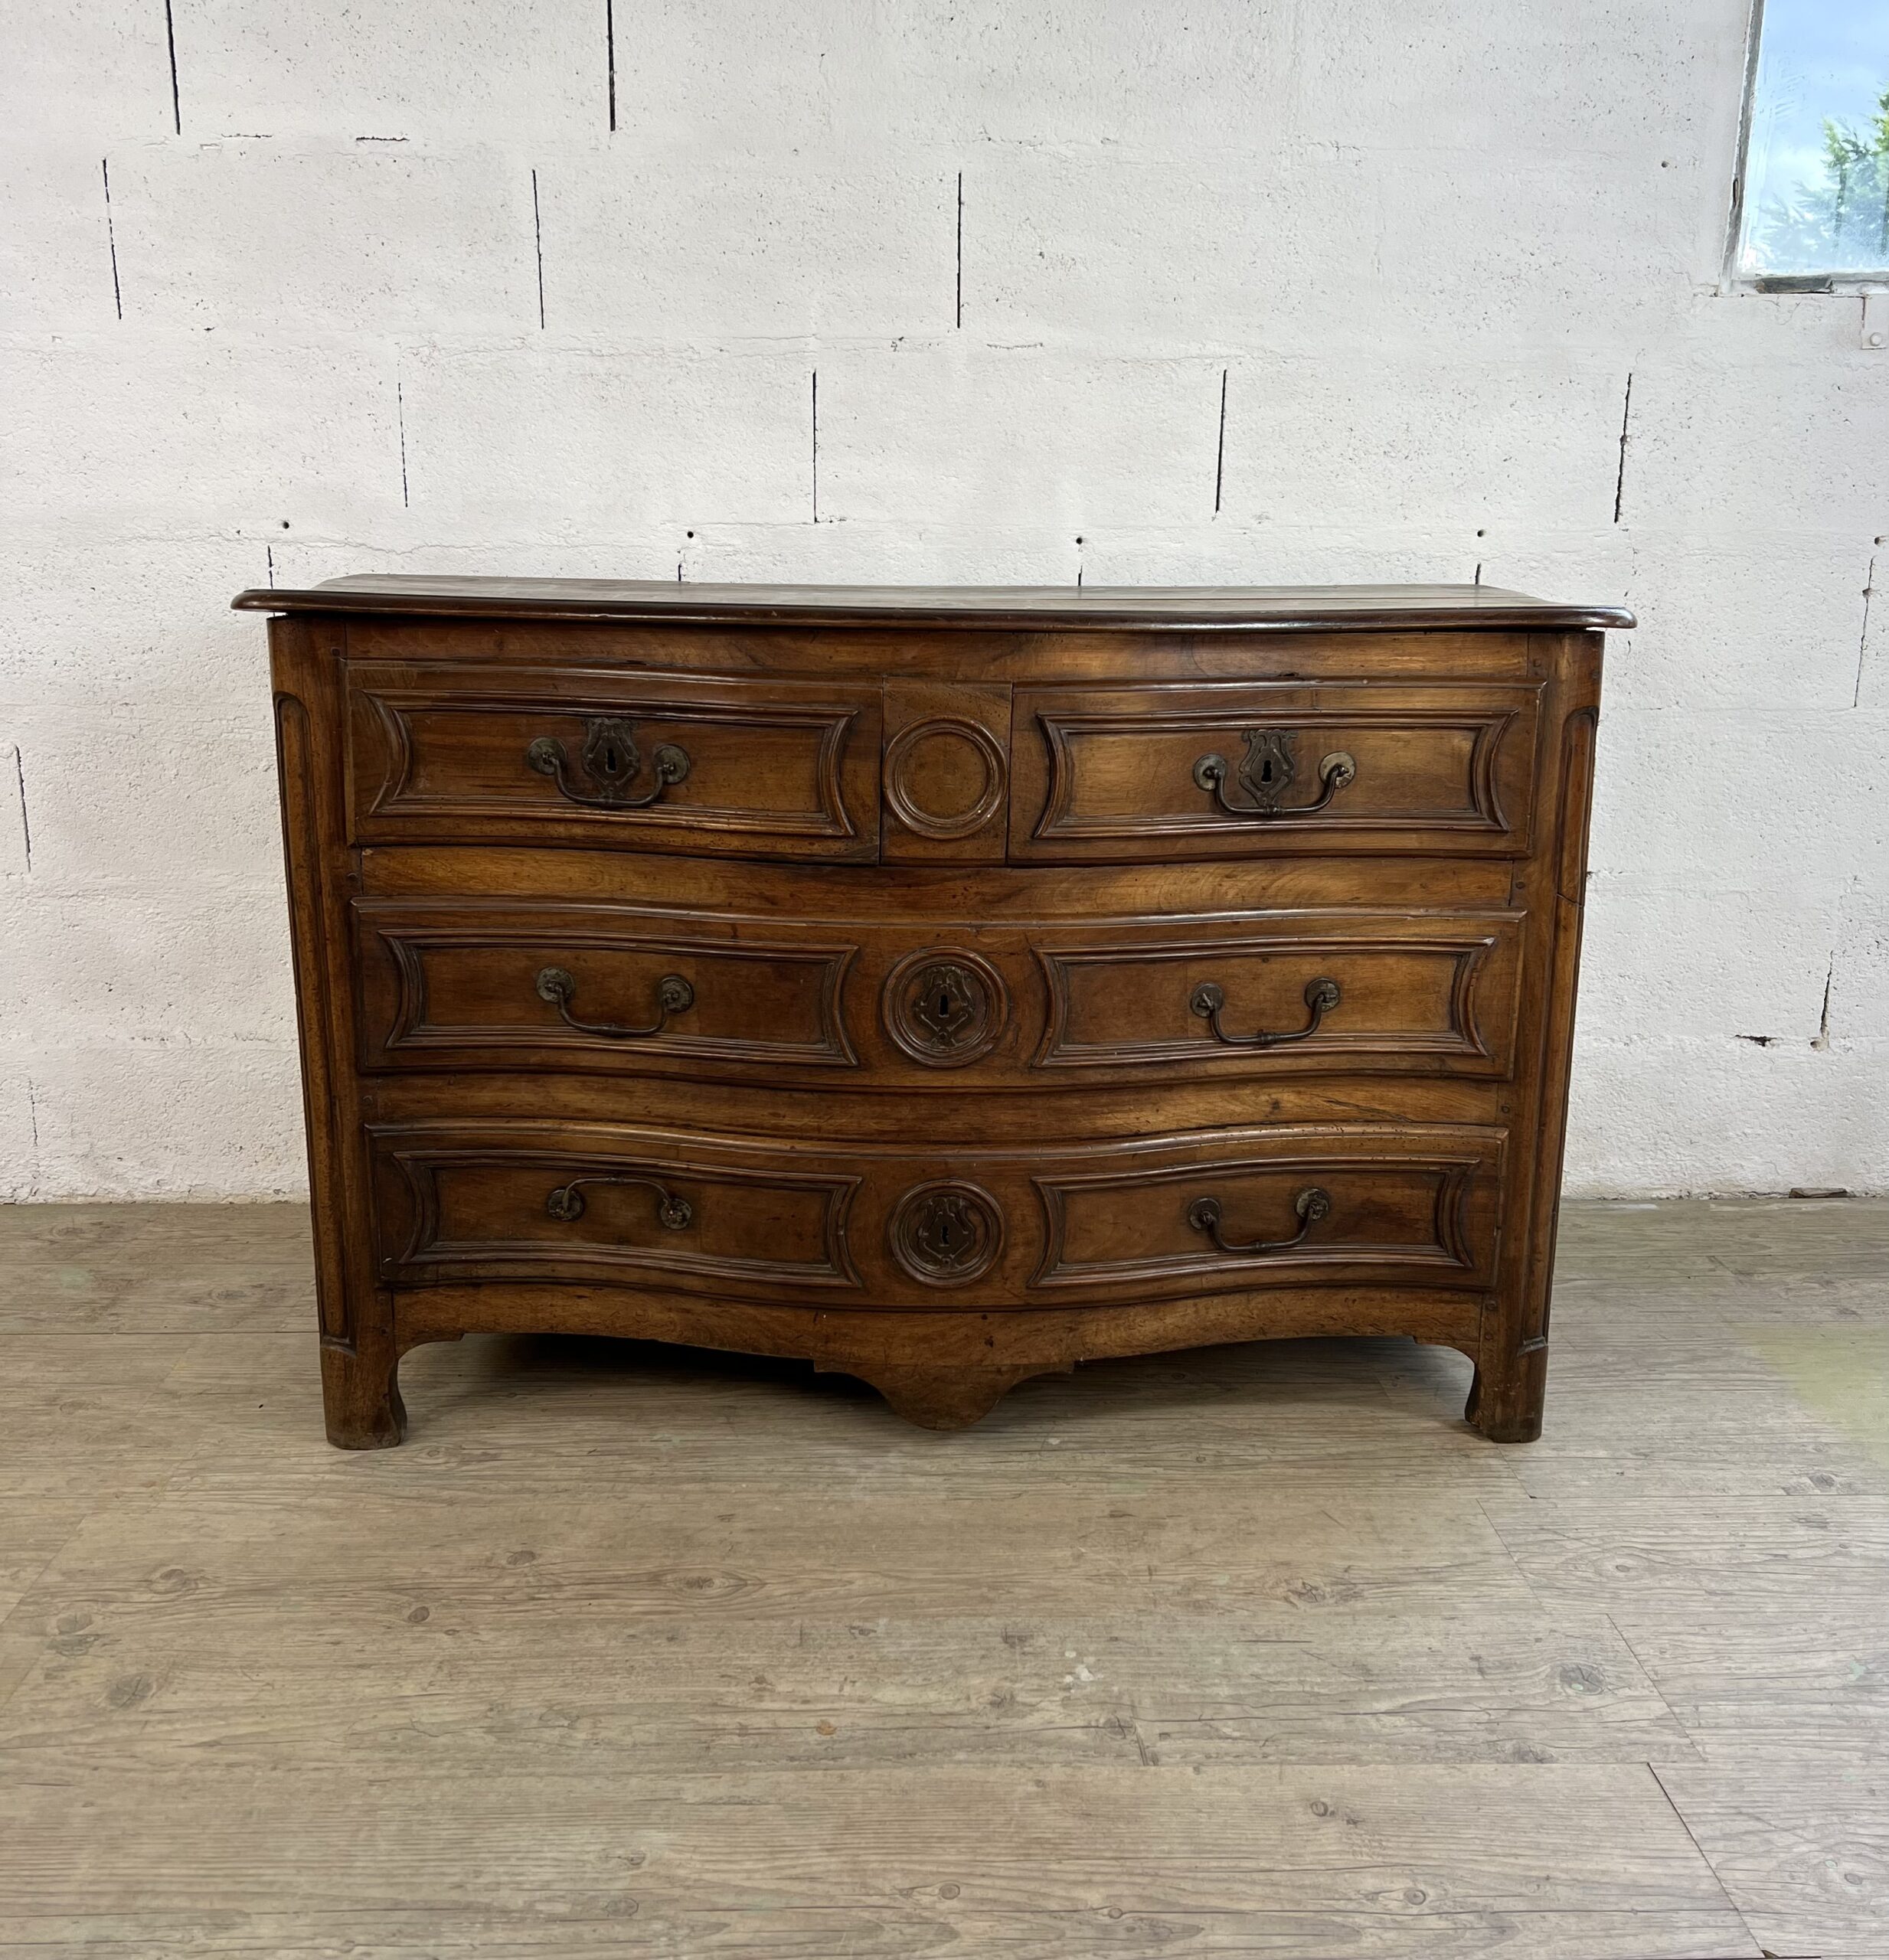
[
  {"x": 567, "y": 1201},
  {"x": 612, "y": 762},
  {"x": 674, "y": 995},
  {"x": 1311, "y": 1205},
  {"x": 1322, "y": 996},
  {"x": 1267, "y": 771}
]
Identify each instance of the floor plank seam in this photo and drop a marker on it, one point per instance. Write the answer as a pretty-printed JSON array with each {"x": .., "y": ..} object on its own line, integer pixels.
[
  {"x": 19, "y": 1607},
  {"x": 1678, "y": 1722},
  {"x": 1521, "y": 1571},
  {"x": 1140, "y": 1737},
  {"x": 1731, "y": 1903}
]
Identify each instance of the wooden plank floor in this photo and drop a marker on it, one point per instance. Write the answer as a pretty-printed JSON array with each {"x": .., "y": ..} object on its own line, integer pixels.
[{"x": 648, "y": 1653}]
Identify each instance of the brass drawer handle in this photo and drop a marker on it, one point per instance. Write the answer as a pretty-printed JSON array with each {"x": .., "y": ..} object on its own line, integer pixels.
[
  {"x": 674, "y": 995},
  {"x": 1267, "y": 771},
  {"x": 567, "y": 1201},
  {"x": 1311, "y": 1204},
  {"x": 612, "y": 762},
  {"x": 1322, "y": 996}
]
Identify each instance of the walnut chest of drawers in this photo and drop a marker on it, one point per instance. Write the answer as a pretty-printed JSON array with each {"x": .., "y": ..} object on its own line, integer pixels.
[{"x": 942, "y": 986}]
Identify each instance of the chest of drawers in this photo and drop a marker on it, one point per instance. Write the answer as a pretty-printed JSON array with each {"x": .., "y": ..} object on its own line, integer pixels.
[{"x": 942, "y": 986}]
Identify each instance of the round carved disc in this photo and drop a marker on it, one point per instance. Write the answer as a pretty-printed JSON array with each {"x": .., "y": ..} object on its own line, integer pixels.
[
  {"x": 944, "y": 1007},
  {"x": 946, "y": 1233},
  {"x": 944, "y": 778}
]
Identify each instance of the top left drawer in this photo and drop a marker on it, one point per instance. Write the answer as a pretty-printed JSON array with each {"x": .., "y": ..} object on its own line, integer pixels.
[{"x": 441, "y": 753}]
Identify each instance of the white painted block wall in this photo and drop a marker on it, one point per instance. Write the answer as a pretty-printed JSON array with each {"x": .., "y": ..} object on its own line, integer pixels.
[{"x": 424, "y": 285}]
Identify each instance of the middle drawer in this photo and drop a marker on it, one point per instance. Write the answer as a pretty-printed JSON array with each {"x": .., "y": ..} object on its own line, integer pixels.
[{"x": 521, "y": 985}]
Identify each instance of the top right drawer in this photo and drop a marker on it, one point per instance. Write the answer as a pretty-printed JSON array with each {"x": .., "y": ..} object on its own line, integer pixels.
[{"x": 1248, "y": 768}]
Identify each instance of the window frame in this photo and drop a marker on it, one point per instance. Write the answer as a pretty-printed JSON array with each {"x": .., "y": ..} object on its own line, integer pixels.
[{"x": 1733, "y": 279}]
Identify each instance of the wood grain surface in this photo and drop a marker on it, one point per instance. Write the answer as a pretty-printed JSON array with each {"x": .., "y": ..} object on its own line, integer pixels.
[
  {"x": 1286, "y": 607},
  {"x": 647, "y": 1651}
]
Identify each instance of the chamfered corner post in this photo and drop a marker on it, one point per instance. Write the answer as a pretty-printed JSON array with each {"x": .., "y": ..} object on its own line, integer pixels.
[
  {"x": 1507, "y": 1395},
  {"x": 360, "y": 1357}
]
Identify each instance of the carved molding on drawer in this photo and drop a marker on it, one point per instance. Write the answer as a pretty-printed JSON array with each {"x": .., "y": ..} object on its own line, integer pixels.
[
  {"x": 617, "y": 1233},
  {"x": 944, "y": 1008},
  {"x": 946, "y": 1233},
  {"x": 1481, "y": 810},
  {"x": 393, "y": 795},
  {"x": 716, "y": 970},
  {"x": 1139, "y": 772},
  {"x": 1357, "y": 1190},
  {"x": 456, "y": 752},
  {"x": 904, "y": 796},
  {"x": 1474, "y": 1025}
]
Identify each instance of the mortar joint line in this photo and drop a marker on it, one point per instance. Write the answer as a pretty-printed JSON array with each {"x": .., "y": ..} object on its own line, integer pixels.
[
  {"x": 610, "y": 56},
  {"x": 1619, "y": 480},
  {"x": 111, "y": 235},
  {"x": 26, "y": 824},
  {"x": 538, "y": 247},
  {"x": 1862, "y": 638},
  {"x": 960, "y": 260},
  {"x": 170, "y": 43},
  {"x": 1220, "y": 445}
]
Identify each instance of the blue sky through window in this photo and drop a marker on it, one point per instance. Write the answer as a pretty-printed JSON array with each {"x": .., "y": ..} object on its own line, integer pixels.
[{"x": 1820, "y": 61}]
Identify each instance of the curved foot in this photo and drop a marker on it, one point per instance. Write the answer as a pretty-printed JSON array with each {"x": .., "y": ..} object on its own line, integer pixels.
[
  {"x": 948, "y": 1398},
  {"x": 361, "y": 1397},
  {"x": 1518, "y": 1421}
]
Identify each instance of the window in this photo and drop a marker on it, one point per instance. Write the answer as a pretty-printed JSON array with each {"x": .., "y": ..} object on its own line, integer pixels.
[{"x": 1814, "y": 194}]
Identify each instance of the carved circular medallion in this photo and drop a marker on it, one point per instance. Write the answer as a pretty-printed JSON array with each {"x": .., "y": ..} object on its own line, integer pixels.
[
  {"x": 944, "y": 1007},
  {"x": 946, "y": 1233},
  {"x": 944, "y": 778}
]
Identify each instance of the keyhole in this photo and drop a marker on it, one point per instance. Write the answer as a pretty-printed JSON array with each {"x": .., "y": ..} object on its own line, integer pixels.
[
  {"x": 1266, "y": 770},
  {"x": 612, "y": 759},
  {"x": 944, "y": 1004},
  {"x": 944, "y": 1232}
]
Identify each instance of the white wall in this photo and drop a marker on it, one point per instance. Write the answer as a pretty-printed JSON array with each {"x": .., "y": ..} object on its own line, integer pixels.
[{"x": 1424, "y": 247}]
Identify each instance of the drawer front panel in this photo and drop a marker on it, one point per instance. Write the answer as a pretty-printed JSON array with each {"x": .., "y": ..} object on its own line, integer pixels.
[
  {"x": 1117, "y": 1223},
  {"x": 513, "y": 985},
  {"x": 1267, "y": 1209},
  {"x": 668, "y": 1210},
  {"x": 1257, "y": 998},
  {"x": 508, "y": 984},
  {"x": 448, "y": 754},
  {"x": 1249, "y": 770}
]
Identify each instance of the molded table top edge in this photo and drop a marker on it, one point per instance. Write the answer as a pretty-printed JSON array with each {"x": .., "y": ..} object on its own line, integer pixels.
[{"x": 1144, "y": 609}]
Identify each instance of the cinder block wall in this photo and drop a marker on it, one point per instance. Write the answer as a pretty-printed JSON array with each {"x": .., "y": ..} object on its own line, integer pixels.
[{"x": 1130, "y": 291}]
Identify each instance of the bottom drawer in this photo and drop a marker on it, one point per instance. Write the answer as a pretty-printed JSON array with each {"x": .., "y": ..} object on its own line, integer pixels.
[{"x": 725, "y": 1217}]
